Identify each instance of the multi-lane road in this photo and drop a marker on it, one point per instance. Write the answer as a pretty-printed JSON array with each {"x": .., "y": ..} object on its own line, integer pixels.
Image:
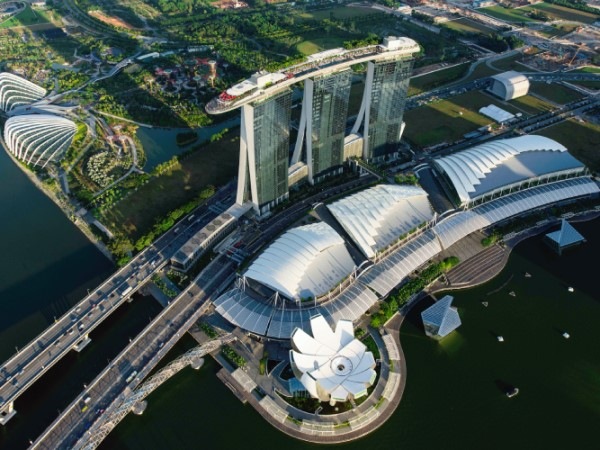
[{"x": 71, "y": 330}]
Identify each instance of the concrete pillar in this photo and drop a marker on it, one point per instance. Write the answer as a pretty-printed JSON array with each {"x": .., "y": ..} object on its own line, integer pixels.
[
  {"x": 82, "y": 343},
  {"x": 139, "y": 408},
  {"x": 7, "y": 412},
  {"x": 197, "y": 363}
]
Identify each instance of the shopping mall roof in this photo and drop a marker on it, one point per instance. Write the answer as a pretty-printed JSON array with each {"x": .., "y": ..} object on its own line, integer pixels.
[
  {"x": 493, "y": 165},
  {"x": 304, "y": 262},
  {"x": 376, "y": 217}
]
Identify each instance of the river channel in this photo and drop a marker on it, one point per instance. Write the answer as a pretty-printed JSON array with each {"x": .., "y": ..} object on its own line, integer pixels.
[{"x": 160, "y": 143}]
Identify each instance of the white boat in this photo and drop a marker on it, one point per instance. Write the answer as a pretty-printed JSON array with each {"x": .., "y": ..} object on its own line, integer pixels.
[
  {"x": 512, "y": 393},
  {"x": 566, "y": 335},
  {"x": 570, "y": 289},
  {"x": 500, "y": 339}
]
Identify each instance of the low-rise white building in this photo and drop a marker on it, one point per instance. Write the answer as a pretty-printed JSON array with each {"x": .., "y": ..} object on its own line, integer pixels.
[{"x": 509, "y": 85}]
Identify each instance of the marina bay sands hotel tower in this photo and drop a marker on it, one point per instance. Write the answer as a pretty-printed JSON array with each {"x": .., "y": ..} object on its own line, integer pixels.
[{"x": 266, "y": 169}]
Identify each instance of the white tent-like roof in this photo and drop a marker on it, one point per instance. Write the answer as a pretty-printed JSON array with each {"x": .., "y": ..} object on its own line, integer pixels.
[
  {"x": 306, "y": 261},
  {"x": 497, "y": 114},
  {"x": 16, "y": 91},
  {"x": 496, "y": 164},
  {"x": 332, "y": 366},
  {"x": 376, "y": 217},
  {"x": 39, "y": 138}
]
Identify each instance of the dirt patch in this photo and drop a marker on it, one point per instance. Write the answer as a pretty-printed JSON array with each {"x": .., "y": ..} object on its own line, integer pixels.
[{"x": 110, "y": 20}]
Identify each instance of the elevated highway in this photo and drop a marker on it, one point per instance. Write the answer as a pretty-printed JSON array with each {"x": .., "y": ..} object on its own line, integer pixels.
[
  {"x": 71, "y": 331},
  {"x": 95, "y": 409}
]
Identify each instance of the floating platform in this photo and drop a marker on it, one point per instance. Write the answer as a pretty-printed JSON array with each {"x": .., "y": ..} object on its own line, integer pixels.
[{"x": 512, "y": 393}]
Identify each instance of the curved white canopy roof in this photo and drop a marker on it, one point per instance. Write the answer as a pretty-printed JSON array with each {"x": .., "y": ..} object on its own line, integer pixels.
[
  {"x": 38, "y": 139},
  {"x": 376, "y": 217},
  {"x": 304, "y": 262},
  {"x": 333, "y": 365},
  {"x": 16, "y": 91},
  {"x": 511, "y": 160}
]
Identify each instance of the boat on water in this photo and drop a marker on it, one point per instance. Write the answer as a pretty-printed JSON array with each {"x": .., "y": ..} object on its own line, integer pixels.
[
  {"x": 512, "y": 393},
  {"x": 500, "y": 339},
  {"x": 566, "y": 335}
]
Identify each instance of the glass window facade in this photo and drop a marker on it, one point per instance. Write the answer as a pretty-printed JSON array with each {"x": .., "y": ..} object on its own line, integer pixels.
[
  {"x": 388, "y": 95},
  {"x": 272, "y": 146},
  {"x": 329, "y": 113}
]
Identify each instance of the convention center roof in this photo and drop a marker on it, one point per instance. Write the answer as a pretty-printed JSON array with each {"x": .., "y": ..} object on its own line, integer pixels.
[
  {"x": 304, "y": 262},
  {"x": 493, "y": 165},
  {"x": 376, "y": 217}
]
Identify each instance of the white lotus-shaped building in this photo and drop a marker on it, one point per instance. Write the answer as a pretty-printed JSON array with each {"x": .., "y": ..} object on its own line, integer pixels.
[
  {"x": 38, "y": 139},
  {"x": 332, "y": 366},
  {"x": 16, "y": 91}
]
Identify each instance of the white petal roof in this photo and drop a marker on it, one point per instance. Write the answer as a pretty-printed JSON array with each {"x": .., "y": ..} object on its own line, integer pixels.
[
  {"x": 306, "y": 261},
  {"x": 511, "y": 160},
  {"x": 376, "y": 217},
  {"x": 38, "y": 138},
  {"x": 16, "y": 91},
  {"x": 333, "y": 365}
]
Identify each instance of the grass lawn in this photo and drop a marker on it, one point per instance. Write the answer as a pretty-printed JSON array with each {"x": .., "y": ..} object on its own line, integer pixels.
[
  {"x": 481, "y": 71},
  {"x": 554, "y": 92},
  {"x": 334, "y": 40},
  {"x": 509, "y": 63},
  {"x": 531, "y": 105},
  {"x": 582, "y": 140},
  {"x": 468, "y": 26},
  {"x": 215, "y": 163},
  {"x": 443, "y": 122},
  {"x": 340, "y": 12},
  {"x": 595, "y": 85},
  {"x": 588, "y": 69},
  {"x": 507, "y": 14},
  {"x": 436, "y": 79},
  {"x": 27, "y": 17},
  {"x": 563, "y": 13}
]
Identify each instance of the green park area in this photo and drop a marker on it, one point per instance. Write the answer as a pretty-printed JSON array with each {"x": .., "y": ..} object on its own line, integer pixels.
[
  {"x": 212, "y": 164},
  {"x": 595, "y": 85},
  {"x": 341, "y": 12},
  {"x": 446, "y": 120},
  {"x": 25, "y": 18},
  {"x": 507, "y": 14},
  {"x": 557, "y": 12},
  {"x": 581, "y": 138},
  {"x": 436, "y": 79},
  {"x": 554, "y": 92},
  {"x": 319, "y": 44},
  {"x": 468, "y": 26},
  {"x": 529, "y": 104},
  {"x": 552, "y": 12}
]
